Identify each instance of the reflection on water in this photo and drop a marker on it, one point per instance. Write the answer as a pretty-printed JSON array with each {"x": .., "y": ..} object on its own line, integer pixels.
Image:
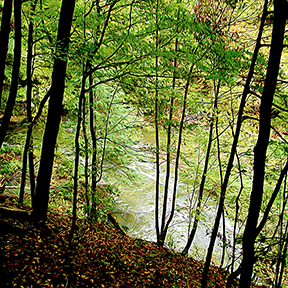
[
  {"x": 135, "y": 207},
  {"x": 135, "y": 211}
]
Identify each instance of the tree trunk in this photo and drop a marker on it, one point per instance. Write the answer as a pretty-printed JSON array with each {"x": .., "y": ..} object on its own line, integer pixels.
[
  {"x": 250, "y": 233},
  {"x": 236, "y": 217},
  {"x": 54, "y": 112},
  {"x": 157, "y": 176},
  {"x": 28, "y": 148},
  {"x": 233, "y": 151},
  {"x": 202, "y": 184},
  {"x": 15, "y": 73},
  {"x": 94, "y": 148},
  {"x": 282, "y": 245},
  {"x": 86, "y": 168},
  {"x": 169, "y": 128},
  {"x": 281, "y": 261},
  {"x": 4, "y": 36},
  {"x": 77, "y": 152}
]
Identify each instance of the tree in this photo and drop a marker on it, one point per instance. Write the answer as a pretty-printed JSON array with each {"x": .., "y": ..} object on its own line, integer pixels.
[
  {"x": 232, "y": 154},
  {"x": 16, "y": 68},
  {"x": 203, "y": 179},
  {"x": 54, "y": 111},
  {"x": 4, "y": 36},
  {"x": 28, "y": 147},
  {"x": 192, "y": 77},
  {"x": 250, "y": 233}
]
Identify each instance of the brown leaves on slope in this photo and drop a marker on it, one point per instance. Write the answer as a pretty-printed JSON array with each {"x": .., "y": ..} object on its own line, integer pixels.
[{"x": 99, "y": 257}]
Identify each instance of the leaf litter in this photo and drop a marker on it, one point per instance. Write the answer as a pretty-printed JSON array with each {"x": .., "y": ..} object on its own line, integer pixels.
[{"x": 99, "y": 256}]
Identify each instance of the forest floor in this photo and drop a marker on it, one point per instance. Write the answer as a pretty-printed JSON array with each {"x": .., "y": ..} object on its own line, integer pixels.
[{"x": 99, "y": 256}]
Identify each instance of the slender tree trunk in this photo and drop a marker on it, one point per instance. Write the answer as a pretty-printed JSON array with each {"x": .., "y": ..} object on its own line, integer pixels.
[
  {"x": 282, "y": 245},
  {"x": 233, "y": 151},
  {"x": 77, "y": 152},
  {"x": 216, "y": 89},
  {"x": 224, "y": 239},
  {"x": 283, "y": 173},
  {"x": 97, "y": 172},
  {"x": 203, "y": 179},
  {"x": 157, "y": 176},
  {"x": 164, "y": 232},
  {"x": 272, "y": 199},
  {"x": 250, "y": 233},
  {"x": 54, "y": 111},
  {"x": 28, "y": 147},
  {"x": 281, "y": 261},
  {"x": 236, "y": 213},
  {"x": 94, "y": 148},
  {"x": 4, "y": 36},
  {"x": 91, "y": 109},
  {"x": 30, "y": 153},
  {"x": 168, "y": 148},
  {"x": 105, "y": 136},
  {"x": 86, "y": 167},
  {"x": 15, "y": 73},
  {"x": 201, "y": 190},
  {"x": 29, "y": 102}
]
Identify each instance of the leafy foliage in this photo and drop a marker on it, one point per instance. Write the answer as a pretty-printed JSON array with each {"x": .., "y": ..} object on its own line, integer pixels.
[{"x": 114, "y": 43}]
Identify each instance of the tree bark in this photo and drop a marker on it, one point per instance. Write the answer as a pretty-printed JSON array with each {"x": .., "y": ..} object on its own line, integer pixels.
[
  {"x": 77, "y": 152},
  {"x": 28, "y": 148},
  {"x": 86, "y": 168},
  {"x": 164, "y": 229},
  {"x": 203, "y": 179},
  {"x": 250, "y": 232},
  {"x": 15, "y": 73},
  {"x": 94, "y": 147},
  {"x": 4, "y": 36},
  {"x": 233, "y": 151},
  {"x": 169, "y": 128},
  {"x": 157, "y": 176},
  {"x": 54, "y": 112}
]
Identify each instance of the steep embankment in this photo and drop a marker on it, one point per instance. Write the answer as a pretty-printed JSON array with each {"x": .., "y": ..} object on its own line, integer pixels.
[{"x": 99, "y": 256}]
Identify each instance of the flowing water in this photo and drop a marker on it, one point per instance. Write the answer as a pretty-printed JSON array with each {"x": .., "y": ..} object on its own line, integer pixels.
[
  {"x": 135, "y": 211},
  {"x": 135, "y": 207}
]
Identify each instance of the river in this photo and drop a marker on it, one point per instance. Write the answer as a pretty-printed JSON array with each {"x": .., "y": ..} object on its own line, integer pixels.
[{"x": 135, "y": 210}]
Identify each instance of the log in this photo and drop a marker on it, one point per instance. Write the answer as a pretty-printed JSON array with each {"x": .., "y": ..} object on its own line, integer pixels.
[
  {"x": 14, "y": 213},
  {"x": 115, "y": 224}
]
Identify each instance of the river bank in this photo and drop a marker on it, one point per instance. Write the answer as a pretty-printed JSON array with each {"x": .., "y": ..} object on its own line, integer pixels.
[{"x": 99, "y": 256}]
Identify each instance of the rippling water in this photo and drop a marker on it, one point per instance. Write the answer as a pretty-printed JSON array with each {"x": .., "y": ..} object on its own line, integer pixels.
[{"x": 135, "y": 210}]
